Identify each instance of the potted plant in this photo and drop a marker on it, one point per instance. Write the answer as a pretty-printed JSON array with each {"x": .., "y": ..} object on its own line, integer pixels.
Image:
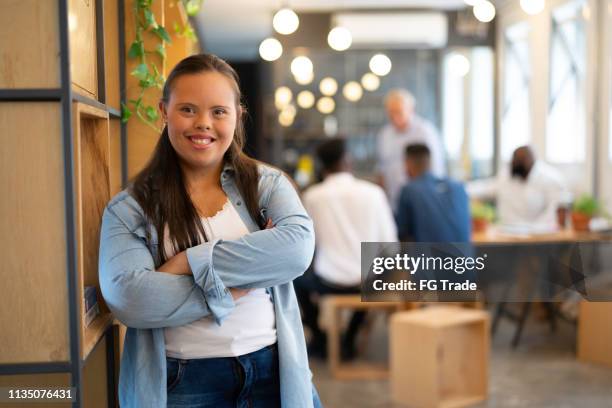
[
  {"x": 482, "y": 215},
  {"x": 584, "y": 208}
]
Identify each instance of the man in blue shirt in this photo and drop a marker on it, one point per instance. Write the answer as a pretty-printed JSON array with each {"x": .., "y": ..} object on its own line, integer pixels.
[{"x": 431, "y": 209}]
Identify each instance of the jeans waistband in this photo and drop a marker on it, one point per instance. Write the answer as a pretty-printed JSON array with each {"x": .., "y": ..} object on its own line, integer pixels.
[{"x": 272, "y": 347}]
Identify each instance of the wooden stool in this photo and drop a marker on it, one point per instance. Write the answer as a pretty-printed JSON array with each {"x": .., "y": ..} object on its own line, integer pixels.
[
  {"x": 595, "y": 333},
  {"x": 439, "y": 356},
  {"x": 334, "y": 305}
]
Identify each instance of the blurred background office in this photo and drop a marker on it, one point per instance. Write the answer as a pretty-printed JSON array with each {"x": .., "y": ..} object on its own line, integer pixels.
[
  {"x": 489, "y": 78},
  {"x": 516, "y": 94},
  {"x": 511, "y": 100}
]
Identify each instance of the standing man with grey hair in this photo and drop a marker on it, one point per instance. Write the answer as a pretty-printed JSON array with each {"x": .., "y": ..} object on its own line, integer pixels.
[{"x": 405, "y": 128}]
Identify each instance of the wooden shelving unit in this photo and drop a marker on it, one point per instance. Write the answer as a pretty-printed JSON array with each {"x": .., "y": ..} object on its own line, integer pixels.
[
  {"x": 64, "y": 155},
  {"x": 60, "y": 165}
]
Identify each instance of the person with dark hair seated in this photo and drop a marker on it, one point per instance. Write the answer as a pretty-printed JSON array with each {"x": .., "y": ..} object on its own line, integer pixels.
[
  {"x": 346, "y": 211},
  {"x": 430, "y": 208}
]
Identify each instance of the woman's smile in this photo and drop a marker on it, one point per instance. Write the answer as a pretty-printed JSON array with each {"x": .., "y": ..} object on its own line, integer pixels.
[{"x": 201, "y": 141}]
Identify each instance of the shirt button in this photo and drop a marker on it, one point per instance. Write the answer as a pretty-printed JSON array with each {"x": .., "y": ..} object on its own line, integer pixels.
[{"x": 238, "y": 202}]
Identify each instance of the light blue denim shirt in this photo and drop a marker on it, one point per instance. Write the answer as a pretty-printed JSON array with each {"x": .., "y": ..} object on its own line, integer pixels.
[{"x": 146, "y": 301}]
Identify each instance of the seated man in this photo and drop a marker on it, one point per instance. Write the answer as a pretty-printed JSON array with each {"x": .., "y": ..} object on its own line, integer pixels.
[
  {"x": 346, "y": 211},
  {"x": 528, "y": 194},
  {"x": 431, "y": 209}
]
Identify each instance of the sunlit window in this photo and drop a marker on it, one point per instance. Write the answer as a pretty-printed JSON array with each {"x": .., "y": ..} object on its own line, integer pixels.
[
  {"x": 515, "y": 115},
  {"x": 481, "y": 112},
  {"x": 566, "y": 132},
  {"x": 453, "y": 109},
  {"x": 467, "y": 99}
]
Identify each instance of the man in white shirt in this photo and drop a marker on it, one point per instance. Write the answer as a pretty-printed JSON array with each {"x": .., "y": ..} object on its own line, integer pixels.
[
  {"x": 405, "y": 128},
  {"x": 346, "y": 211},
  {"x": 526, "y": 197}
]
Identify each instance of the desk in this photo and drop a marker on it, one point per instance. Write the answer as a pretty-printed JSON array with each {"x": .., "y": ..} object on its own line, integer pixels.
[{"x": 494, "y": 235}]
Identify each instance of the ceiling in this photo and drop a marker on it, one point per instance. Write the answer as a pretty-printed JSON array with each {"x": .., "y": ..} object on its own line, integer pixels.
[{"x": 235, "y": 33}]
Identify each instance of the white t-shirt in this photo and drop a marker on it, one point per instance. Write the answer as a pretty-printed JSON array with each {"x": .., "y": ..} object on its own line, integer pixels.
[
  {"x": 346, "y": 211},
  {"x": 251, "y": 325},
  {"x": 532, "y": 202}
]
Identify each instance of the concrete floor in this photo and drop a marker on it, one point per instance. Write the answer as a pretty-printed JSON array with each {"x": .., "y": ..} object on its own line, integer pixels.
[{"x": 542, "y": 373}]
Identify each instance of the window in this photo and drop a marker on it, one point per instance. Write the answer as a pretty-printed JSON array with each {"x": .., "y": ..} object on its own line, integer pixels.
[
  {"x": 467, "y": 99},
  {"x": 453, "y": 108},
  {"x": 566, "y": 127},
  {"x": 481, "y": 112},
  {"x": 515, "y": 115}
]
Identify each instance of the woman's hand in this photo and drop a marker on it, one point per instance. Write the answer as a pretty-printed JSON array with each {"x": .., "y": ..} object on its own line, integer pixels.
[{"x": 177, "y": 265}]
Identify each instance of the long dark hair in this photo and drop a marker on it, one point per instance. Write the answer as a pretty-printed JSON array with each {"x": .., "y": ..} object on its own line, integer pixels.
[{"x": 159, "y": 187}]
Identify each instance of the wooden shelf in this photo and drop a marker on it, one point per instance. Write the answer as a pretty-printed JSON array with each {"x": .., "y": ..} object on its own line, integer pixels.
[
  {"x": 93, "y": 333},
  {"x": 115, "y": 156},
  {"x": 82, "y": 33},
  {"x": 92, "y": 168}
]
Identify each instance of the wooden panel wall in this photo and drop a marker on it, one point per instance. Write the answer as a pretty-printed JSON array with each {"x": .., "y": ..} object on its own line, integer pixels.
[
  {"x": 33, "y": 305},
  {"x": 32, "y": 60}
]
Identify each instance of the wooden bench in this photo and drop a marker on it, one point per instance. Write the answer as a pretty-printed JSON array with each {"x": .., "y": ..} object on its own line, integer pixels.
[{"x": 333, "y": 306}]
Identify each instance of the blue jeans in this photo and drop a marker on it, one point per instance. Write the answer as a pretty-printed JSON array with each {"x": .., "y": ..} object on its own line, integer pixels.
[{"x": 248, "y": 381}]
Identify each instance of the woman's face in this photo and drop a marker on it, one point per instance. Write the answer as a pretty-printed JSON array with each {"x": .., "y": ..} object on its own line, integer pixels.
[{"x": 201, "y": 114}]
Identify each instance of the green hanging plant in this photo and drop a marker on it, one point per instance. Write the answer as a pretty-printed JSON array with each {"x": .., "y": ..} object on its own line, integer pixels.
[
  {"x": 147, "y": 72},
  {"x": 192, "y": 7}
]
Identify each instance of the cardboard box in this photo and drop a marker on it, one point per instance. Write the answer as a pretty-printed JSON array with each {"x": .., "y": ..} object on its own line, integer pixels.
[
  {"x": 439, "y": 357},
  {"x": 595, "y": 332}
]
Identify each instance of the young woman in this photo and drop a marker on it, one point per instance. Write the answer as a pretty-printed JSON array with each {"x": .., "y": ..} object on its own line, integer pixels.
[{"x": 197, "y": 257}]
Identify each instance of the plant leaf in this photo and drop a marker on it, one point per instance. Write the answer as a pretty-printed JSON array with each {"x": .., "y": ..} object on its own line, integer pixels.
[
  {"x": 161, "y": 50},
  {"x": 143, "y": 4},
  {"x": 192, "y": 7},
  {"x": 189, "y": 33},
  {"x": 151, "y": 113},
  {"x": 141, "y": 72},
  {"x": 136, "y": 49},
  {"x": 149, "y": 19},
  {"x": 162, "y": 33},
  {"x": 126, "y": 113}
]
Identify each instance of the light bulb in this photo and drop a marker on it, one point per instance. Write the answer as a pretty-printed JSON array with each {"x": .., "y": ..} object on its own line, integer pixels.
[
  {"x": 533, "y": 7},
  {"x": 305, "y": 99},
  {"x": 339, "y": 38},
  {"x": 301, "y": 66},
  {"x": 370, "y": 82},
  {"x": 352, "y": 91},
  {"x": 285, "y": 119},
  {"x": 285, "y": 21},
  {"x": 304, "y": 79},
  {"x": 270, "y": 49},
  {"x": 328, "y": 86},
  {"x": 326, "y": 105},
  {"x": 289, "y": 110},
  {"x": 380, "y": 64},
  {"x": 458, "y": 64},
  {"x": 282, "y": 97},
  {"x": 484, "y": 11}
]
